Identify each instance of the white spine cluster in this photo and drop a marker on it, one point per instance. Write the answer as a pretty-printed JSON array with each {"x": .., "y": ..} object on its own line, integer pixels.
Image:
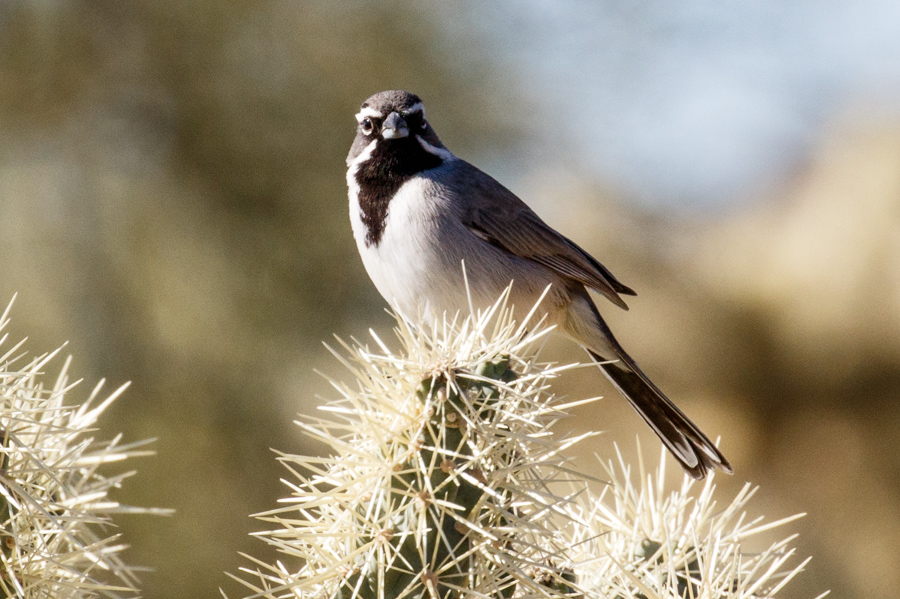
[
  {"x": 54, "y": 505},
  {"x": 640, "y": 540},
  {"x": 445, "y": 481}
]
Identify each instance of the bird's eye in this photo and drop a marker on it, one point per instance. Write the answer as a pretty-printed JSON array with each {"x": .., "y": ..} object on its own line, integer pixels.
[
  {"x": 416, "y": 120},
  {"x": 367, "y": 126}
]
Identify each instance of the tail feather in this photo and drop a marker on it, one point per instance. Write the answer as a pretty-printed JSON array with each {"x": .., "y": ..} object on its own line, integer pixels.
[
  {"x": 687, "y": 443},
  {"x": 696, "y": 453}
]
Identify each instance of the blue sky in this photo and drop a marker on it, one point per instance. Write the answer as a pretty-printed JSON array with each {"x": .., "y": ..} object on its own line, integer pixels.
[{"x": 698, "y": 103}]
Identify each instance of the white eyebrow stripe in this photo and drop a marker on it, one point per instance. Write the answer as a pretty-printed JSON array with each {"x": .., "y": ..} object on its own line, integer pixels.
[
  {"x": 368, "y": 111},
  {"x": 417, "y": 107}
]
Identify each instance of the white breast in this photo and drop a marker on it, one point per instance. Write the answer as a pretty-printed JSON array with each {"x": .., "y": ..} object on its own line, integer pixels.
[
  {"x": 417, "y": 263},
  {"x": 406, "y": 263}
]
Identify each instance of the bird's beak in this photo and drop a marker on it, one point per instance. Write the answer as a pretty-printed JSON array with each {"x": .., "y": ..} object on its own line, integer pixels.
[{"x": 394, "y": 127}]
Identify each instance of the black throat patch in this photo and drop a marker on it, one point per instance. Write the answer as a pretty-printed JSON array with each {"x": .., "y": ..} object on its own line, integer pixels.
[{"x": 392, "y": 163}]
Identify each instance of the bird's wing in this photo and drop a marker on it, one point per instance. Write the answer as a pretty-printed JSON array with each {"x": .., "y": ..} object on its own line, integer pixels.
[{"x": 500, "y": 218}]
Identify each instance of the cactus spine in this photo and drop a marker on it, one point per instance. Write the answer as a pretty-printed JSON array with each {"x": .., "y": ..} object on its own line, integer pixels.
[
  {"x": 446, "y": 481},
  {"x": 435, "y": 494}
]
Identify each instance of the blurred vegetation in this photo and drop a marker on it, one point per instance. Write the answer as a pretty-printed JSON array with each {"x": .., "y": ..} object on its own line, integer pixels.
[
  {"x": 778, "y": 328},
  {"x": 173, "y": 201}
]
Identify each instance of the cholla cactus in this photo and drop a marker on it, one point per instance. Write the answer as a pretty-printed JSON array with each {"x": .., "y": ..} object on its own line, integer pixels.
[
  {"x": 54, "y": 504},
  {"x": 642, "y": 541},
  {"x": 446, "y": 481},
  {"x": 443, "y": 476}
]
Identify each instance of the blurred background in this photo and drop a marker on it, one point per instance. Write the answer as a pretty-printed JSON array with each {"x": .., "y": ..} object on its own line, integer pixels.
[{"x": 173, "y": 204}]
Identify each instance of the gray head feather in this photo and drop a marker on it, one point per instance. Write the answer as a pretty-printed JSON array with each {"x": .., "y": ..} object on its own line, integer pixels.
[{"x": 378, "y": 106}]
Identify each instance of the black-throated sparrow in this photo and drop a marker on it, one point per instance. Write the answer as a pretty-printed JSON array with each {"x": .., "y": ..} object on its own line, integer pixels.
[{"x": 418, "y": 212}]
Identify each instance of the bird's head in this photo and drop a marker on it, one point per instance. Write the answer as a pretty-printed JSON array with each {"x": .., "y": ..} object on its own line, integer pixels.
[{"x": 397, "y": 118}]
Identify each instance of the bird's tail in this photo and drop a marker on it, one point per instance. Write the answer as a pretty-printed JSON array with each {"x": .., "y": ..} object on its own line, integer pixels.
[{"x": 687, "y": 443}]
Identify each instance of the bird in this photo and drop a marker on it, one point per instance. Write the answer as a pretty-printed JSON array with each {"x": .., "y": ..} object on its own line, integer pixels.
[{"x": 418, "y": 213}]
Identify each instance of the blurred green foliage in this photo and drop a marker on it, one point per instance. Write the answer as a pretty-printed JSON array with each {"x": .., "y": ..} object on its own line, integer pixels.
[{"x": 173, "y": 200}]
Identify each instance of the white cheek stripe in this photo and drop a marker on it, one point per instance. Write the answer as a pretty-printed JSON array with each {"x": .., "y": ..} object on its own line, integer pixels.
[
  {"x": 441, "y": 153},
  {"x": 363, "y": 156},
  {"x": 367, "y": 112},
  {"x": 354, "y": 166}
]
